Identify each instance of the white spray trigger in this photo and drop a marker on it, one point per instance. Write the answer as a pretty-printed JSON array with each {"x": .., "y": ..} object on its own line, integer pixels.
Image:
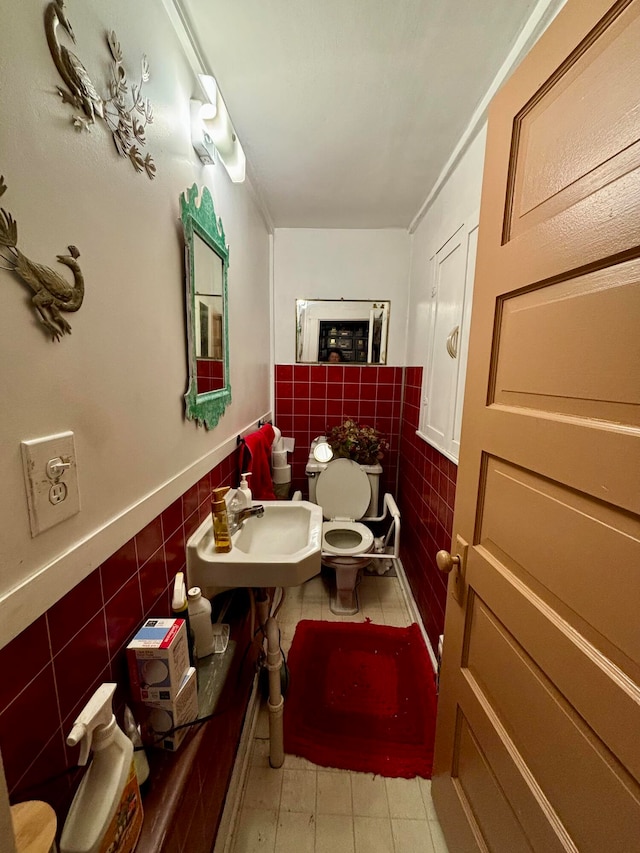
[
  {"x": 77, "y": 735},
  {"x": 95, "y": 717}
]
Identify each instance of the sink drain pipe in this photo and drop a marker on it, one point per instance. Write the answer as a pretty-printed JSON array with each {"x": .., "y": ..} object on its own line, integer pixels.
[{"x": 275, "y": 703}]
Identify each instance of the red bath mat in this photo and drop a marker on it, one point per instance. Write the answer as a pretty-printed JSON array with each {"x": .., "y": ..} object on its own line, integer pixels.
[{"x": 361, "y": 697}]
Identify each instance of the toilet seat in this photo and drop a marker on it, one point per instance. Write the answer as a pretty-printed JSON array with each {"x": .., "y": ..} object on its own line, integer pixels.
[
  {"x": 356, "y": 538},
  {"x": 343, "y": 492}
]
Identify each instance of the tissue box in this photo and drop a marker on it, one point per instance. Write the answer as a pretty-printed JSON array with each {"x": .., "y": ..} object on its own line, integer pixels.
[
  {"x": 158, "y": 659},
  {"x": 158, "y": 718}
]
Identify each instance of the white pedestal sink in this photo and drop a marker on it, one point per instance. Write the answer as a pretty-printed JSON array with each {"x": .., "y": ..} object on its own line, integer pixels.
[{"x": 282, "y": 548}]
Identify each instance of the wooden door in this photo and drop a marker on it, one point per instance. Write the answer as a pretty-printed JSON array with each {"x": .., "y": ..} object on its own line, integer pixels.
[{"x": 538, "y": 736}]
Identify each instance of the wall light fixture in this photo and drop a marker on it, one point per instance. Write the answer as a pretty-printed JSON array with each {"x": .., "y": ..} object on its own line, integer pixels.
[{"x": 212, "y": 130}]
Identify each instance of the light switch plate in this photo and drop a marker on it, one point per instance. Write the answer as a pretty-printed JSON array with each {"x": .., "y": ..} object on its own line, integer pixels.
[{"x": 51, "y": 499}]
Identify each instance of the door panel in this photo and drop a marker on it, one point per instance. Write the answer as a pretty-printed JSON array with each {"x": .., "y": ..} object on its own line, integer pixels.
[
  {"x": 546, "y": 355},
  {"x": 539, "y": 709},
  {"x": 553, "y": 741},
  {"x": 568, "y": 139},
  {"x": 450, "y": 267},
  {"x": 463, "y": 345},
  {"x": 483, "y": 795},
  {"x": 560, "y": 568}
]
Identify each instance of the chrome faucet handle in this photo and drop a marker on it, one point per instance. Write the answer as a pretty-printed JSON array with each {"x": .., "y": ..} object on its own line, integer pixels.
[{"x": 237, "y": 519}]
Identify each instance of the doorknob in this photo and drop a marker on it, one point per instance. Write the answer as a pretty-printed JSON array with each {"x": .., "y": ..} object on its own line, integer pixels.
[
  {"x": 455, "y": 566},
  {"x": 446, "y": 562}
]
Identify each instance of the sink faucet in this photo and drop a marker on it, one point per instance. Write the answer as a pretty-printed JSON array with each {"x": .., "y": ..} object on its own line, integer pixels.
[{"x": 236, "y": 520}]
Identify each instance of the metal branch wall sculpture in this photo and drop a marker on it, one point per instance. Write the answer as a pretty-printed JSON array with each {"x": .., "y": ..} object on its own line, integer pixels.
[
  {"x": 52, "y": 293},
  {"x": 125, "y": 112}
]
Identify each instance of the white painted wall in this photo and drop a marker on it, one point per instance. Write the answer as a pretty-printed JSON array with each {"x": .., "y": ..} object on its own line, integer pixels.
[
  {"x": 118, "y": 380},
  {"x": 311, "y": 263}
]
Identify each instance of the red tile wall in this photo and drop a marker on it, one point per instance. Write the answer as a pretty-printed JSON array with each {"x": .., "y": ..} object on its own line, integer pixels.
[
  {"x": 210, "y": 375},
  {"x": 52, "y": 668},
  {"x": 426, "y": 500},
  {"x": 311, "y": 398}
]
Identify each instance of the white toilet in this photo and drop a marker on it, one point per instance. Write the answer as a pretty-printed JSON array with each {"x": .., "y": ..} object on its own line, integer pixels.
[{"x": 346, "y": 492}]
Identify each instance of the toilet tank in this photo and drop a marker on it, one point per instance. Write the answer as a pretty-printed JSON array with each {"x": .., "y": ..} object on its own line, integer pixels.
[{"x": 373, "y": 472}]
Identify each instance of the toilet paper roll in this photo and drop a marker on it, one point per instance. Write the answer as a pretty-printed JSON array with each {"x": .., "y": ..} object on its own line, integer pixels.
[
  {"x": 282, "y": 475},
  {"x": 279, "y": 458}
]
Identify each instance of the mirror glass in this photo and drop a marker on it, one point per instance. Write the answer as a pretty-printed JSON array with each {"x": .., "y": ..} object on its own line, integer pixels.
[
  {"x": 207, "y": 261},
  {"x": 347, "y": 331}
]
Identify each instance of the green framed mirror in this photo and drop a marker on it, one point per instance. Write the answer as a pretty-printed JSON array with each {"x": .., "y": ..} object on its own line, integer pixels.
[{"x": 206, "y": 264}]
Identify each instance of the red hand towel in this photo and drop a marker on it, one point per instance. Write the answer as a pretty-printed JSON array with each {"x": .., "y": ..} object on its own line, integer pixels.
[{"x": 256, "y": 460}]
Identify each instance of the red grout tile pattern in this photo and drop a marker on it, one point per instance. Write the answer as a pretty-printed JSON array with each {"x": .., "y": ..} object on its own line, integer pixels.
[
  {"x": 311, "y": 398},
  {"x": 55, "y": 664},
  {"x": 426, "y": 500}
]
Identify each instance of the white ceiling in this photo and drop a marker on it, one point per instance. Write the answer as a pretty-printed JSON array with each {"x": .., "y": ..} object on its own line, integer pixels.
[{"x": 348, "y": 110}]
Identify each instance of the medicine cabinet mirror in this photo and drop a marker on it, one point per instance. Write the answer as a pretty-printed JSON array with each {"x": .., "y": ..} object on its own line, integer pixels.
[
  {"x": 356, "y": 329},
  {"x": 207, "y": 262}
]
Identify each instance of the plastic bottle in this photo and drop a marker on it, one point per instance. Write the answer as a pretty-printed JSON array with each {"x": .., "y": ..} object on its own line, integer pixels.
[
  {"x": 200, "y": 616},
  {"x": 180, "y": 610},
  {"x": 106, "y": 812},
  {"x": 221, "y": 533},
  {"x": 236, "y": 505},
  {"x": 139, "y": 755},
  {"x": 245, "y": 491}
]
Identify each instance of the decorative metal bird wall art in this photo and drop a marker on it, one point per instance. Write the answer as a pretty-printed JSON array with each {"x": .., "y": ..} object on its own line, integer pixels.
[
  {"x": 52, "y": 292},
  {"x": 125, "y": 112}
]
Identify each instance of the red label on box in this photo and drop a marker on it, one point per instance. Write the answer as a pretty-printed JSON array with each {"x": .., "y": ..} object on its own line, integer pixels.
[{"x": 171, "y": 634}]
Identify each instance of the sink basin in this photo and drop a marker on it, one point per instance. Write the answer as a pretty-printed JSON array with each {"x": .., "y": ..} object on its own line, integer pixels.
[{"x": 280, "y": 549}]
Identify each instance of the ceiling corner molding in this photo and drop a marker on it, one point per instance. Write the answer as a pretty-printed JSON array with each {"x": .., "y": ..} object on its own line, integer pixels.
[
  {"x": 195, "y": 57},
  {"x": 542, "y": 15}
]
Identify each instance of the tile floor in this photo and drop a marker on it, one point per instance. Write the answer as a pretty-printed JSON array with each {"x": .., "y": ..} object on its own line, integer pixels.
[{"x": 304, "y": 808}]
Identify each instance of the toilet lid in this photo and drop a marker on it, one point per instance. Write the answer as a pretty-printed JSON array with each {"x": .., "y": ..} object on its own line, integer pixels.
[{"x": 343, "y": 490}]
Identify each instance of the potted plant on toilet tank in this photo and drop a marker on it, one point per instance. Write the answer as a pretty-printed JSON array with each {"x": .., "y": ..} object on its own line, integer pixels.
[{"x": 352, "y": 440}]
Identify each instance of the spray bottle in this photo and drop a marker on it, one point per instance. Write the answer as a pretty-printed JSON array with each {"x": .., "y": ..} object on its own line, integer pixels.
[{"x": 106, "y": 812}]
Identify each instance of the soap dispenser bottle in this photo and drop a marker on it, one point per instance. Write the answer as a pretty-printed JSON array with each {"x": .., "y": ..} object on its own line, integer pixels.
[
  {"x": 221, "y": 533},
  {"x": 106, "y": 812},
  {"x": 245, "y": 491}
]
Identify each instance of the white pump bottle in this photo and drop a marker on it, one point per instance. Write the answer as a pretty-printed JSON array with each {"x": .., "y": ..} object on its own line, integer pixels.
[
  {"x": 107, "y": 808},
  {"x": 245, "y": 491}
]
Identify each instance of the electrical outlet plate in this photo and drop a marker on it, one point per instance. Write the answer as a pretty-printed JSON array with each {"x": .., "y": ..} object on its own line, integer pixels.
[{"x": 52, "y": 491}]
